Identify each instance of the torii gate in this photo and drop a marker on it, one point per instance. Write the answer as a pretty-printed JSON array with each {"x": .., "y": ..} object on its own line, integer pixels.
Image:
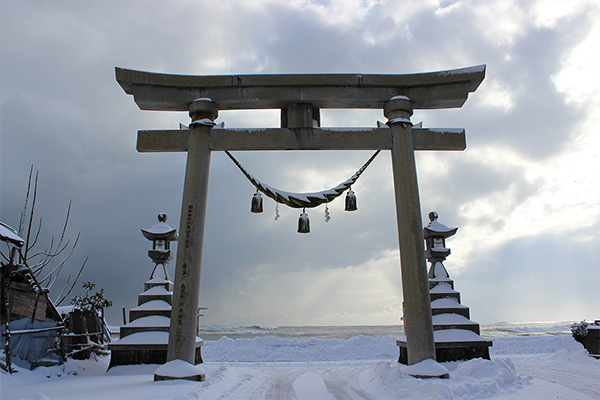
[{"x": 300, "y": 96}]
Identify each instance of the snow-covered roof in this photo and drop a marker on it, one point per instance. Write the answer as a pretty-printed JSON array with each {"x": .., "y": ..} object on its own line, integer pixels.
[
  {"x": 160, "y": 231},
  {"x": 8, "y": 234},
  {"x": 435, "y": 228}
]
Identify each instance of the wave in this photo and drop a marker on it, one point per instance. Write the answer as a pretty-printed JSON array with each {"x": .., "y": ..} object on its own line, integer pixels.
[
  {"x": 265, "y": 327},
  {"x": 498, "y": 329}
]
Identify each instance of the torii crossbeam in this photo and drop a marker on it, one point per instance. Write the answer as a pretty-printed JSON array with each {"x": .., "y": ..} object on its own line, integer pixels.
[{"x": 300, "y": 97}]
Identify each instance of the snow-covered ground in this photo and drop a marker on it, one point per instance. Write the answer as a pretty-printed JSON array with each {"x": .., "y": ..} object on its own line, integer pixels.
[{"x": 362, "y": 367}]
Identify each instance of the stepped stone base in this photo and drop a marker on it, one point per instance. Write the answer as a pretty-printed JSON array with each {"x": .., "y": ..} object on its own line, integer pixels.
[
  {"x": 453, "y": 321},
  {"x": 135, "y": 314},
  {"x": 145, "y": 354},
  {"x": 452, "y": 345},
  {"x": 451, "y": 351}
]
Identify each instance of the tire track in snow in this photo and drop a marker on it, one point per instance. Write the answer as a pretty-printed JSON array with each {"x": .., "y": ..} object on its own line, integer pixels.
[
  {"x": 278, "y": 387},
  {"x": 343, "y": 387},
  {"x": 578, "y": 383}
]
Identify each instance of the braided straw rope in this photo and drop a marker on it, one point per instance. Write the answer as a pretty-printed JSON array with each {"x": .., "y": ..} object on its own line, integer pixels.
[{"x": 303, "y": 200}]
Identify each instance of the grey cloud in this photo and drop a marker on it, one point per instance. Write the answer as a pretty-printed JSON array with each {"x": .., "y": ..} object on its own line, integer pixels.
[
  {"x": 553, "y": 269},
  {"x": 63, "y": 111}
]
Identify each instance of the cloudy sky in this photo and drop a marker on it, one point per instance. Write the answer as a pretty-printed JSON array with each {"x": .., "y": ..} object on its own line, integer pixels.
[{"x": 525, "y": 194}]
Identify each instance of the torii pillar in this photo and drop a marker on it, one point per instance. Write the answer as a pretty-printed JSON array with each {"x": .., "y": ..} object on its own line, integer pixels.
[{"x": 300, "y": 97}]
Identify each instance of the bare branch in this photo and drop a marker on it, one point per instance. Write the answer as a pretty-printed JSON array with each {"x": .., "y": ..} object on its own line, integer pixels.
[
  {"x": 57, "y": 270},
  {"x": 32, "y": 212},
  {"x": 46, "y": 258},
  {"x": 60, "y": 265},
  {"x": 24, "y": 213},
  {"x": 37, "y": 235},
  {"x": 49, "y": 255},
  {"x": 64, "y": 287},
  {"x": 74, "y": 282},
  {"x": 62, "y": 236}
]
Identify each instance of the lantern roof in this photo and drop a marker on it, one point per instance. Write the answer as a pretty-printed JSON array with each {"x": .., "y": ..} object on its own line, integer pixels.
[
  {"x": 436, "y": 228},
  {"x": 161, "y": 230}
]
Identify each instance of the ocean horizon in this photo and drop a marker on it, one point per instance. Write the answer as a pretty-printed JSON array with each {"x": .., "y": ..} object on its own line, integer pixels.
[{"x": 496, "y": 329}]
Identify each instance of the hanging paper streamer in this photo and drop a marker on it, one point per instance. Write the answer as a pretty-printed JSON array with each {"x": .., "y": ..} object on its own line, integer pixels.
[
  {"x": 327, "y": 217},
  {"x": 257, "y": 203},
  {"x": 303, "y": 223},
  {"x": 276, "y": 212}
]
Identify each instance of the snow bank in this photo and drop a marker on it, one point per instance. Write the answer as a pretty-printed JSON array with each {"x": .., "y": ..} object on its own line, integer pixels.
[
  {"x": 474, "y": 379},
  {"x": 271, "y": 348}
]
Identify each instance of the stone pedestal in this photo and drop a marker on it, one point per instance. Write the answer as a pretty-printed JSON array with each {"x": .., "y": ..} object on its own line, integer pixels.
[
  {"x": 456, "y": 337},
  {"x": 144, "y": 340}
]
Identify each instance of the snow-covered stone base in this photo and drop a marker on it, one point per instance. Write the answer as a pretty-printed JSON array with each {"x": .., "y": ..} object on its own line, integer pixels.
[
  {"x": 426, "y": 369},
  {"x": 179, "y": 369}
]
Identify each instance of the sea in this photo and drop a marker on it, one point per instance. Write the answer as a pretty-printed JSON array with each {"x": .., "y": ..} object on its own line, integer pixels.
[{"x": 498, "y": 329}]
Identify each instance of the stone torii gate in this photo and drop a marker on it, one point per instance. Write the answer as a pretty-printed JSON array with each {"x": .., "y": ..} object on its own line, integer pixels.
[{"x": 300, "y": 97}]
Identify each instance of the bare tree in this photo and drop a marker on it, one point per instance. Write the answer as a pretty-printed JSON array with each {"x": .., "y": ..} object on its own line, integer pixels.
[{"x": 47, "y": 264}]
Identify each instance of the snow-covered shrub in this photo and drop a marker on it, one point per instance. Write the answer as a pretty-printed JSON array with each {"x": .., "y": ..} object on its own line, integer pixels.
[
  {"x": 579, "y": 331},
  {"x": 94, "y": 303}
]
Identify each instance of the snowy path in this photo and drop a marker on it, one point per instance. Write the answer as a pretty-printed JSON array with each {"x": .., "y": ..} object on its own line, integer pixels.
[
  {"x": 345, "y": 385},
  {"x": 335, "y": 384},
  {"x": 583, "y": 381},
  {"x": 521, "y": 368},
  {"x": 581, "y": 384},
  {"x": 278, "y": 386}
]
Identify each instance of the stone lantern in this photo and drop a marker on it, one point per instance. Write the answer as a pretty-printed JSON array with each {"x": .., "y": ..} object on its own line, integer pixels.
[
  {"x": 144, "y": 340},
  {"x": 435, "y": 235},
  {"x": 456, "y": 337},
  {"x": 161, "y": 236}
]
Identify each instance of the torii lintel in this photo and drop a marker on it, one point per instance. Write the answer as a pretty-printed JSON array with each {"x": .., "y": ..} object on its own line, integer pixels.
[
  {"x": 431, "y": 90},
  {"x": 301, "y": 139}
]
